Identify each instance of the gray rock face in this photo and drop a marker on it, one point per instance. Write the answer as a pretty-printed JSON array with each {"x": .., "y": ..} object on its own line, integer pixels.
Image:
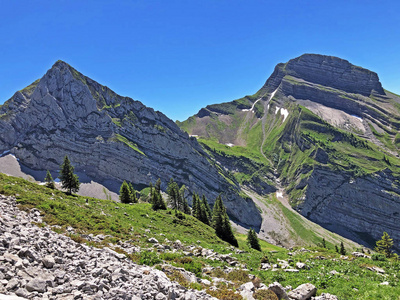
[
  {"x": 109, "y": 138},
  {"x": 328, "y": 71},
  {"x": 358, "y": 208}
]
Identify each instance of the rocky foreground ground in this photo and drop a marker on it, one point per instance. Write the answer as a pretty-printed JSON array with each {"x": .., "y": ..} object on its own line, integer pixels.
[{"x": 38, "y": 263}]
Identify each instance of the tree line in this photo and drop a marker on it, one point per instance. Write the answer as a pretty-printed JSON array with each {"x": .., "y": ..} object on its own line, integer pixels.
[{"x": 216, "y": 217}]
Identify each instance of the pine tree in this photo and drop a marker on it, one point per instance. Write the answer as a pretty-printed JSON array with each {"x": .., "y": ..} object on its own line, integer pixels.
[
  {"x": 323, "y": 243},
  {"x": 49, "y": 180},
  {"x": 342, "y": 249},
  {"x": 220, "y": 221},
  {"x": 125, "y": 193},
  {"x": 69, "y": 180},
  {"x": 384, "y": 245},
  {"x": 132, "y": 193},
  {"x": 207, "y": 209},
  {"x": 157, "y": 202},
  {"x": 173, "y": 194},
  {"x": 252, "y": 239},
  {"x": 183, "y": 204},
  {"x": 196, "y": 207},
  {"x": 203, "y": 213},
  {"x": 158, "y": 185}
]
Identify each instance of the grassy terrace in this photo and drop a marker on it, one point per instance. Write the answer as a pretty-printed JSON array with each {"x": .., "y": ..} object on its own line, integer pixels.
[{"x": 129, "y": 222}]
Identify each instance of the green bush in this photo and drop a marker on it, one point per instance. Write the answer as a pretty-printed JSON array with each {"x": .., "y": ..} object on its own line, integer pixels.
[
  {"x": 194, "y": 267},
  {"x": 149, "y": 258},
  {"x": 168, "y": 256},
  {"x": 378, "y": 257}
]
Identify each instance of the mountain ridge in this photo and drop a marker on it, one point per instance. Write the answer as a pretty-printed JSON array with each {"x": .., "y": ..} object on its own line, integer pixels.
[
  {"x": 110, "y": 138},
  {"x": 314, "y": 112}
]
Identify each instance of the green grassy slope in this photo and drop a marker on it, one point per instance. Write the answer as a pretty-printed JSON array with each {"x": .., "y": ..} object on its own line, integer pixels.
[{"x": 129, "y": 222}]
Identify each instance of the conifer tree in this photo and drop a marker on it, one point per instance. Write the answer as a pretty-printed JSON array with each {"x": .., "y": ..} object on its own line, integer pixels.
[
  {"x": 132, "y": 193},
  {"x": 252, "y": 239},
  {"x": 173, "y": 194},
  {"x": 196, "y": 207},
  {"x": 69, "y": 180},
  {"x": 384, "y": 245},
  {"x": 207, "y": 209},
  {"x": 323, "y": 243},
  {"x": 157, "y": 201},
  {"x": 183, "y": 204},
  {"x": 342, "y": 249},
  {"x": 125, "y": 193},
  {"x": 203, "y": 213},
  {"x": 49, "y": 180},
  {"x": 158, "y": 185},
  {"x": 220, "y": 221}
]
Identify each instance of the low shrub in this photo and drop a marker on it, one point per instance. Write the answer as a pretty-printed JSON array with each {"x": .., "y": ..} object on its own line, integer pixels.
[
  {"x": 378, "y": 257},
  {"x": 265, "y": 295},
  {"x": 149, "y": 258}
]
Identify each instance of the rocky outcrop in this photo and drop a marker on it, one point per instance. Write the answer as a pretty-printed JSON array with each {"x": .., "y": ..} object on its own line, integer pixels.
[
  {"x": 328, "y": 71},
  {"x": 109, "y": 138},
  {"x": 359, "y": 208},
  {"x": 37, "y": 263}
]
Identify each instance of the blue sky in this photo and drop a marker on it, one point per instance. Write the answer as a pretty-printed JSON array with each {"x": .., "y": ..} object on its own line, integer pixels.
[{"x": 179, "y": 56}]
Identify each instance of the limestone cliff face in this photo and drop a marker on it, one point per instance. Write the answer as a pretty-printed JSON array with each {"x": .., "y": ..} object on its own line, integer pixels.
[
  {"x": 110, "y": 138},
  {"x": 358, "y": 208},
  {"x": 328, "y": 71},
  {"x": 342, "y": 102}
]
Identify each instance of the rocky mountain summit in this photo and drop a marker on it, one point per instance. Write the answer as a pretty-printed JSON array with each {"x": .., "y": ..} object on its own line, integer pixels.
[
  {"x": 109, "y": 138},
  {"x": 322, "y": 130}
]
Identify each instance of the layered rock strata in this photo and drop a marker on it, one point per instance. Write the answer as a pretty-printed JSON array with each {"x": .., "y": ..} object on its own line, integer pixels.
[
  {"x": 109, "y": 138},
  {"x": 358, "y": 208}
]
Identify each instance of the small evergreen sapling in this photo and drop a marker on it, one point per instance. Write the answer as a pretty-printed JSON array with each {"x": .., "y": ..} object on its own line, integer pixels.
[
  {"x": 125, "y": 193},
  {"x": 69, "y": 180},
  {"x": 385, "y": 245},
  {"x": 342, "y": 249},
  {"x": 252, "y": 240},
  {"x": 156, "y": 199},
  {"x": 49, "y": 180}
]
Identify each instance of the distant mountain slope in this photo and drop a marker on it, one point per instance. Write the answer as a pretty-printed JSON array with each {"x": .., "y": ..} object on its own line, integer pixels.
[
  {"x": 326, "y": 132},
  {"x": 110, "y": 138}
]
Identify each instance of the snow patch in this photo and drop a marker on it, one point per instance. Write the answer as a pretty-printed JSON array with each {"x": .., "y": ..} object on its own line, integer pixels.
[
  {"x": 279, "y": 194},
  {"x": 230, "y": 144},
  {"x": 284, "y": 113},
  {"x": 272, "y": 95}
]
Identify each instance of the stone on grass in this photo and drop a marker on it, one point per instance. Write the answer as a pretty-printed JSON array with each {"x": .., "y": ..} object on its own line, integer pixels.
[
  {"x": 303, "y": 292},
  {"x": 278, "y": 289}
]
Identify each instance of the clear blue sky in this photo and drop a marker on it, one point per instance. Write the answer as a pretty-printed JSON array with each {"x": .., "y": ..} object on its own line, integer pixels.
[{"x": 179, "y": 56}]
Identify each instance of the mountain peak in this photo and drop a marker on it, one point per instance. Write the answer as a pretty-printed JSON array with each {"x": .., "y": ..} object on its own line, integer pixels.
[
  {"x": 60, "y": 64},
  {"x": 334, "y": 72}
]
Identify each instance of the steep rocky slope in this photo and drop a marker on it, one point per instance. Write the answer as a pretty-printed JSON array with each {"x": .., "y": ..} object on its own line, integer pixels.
[
  {"x": 109, "y": 138},
  {"x": 325, "y": 131}
]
